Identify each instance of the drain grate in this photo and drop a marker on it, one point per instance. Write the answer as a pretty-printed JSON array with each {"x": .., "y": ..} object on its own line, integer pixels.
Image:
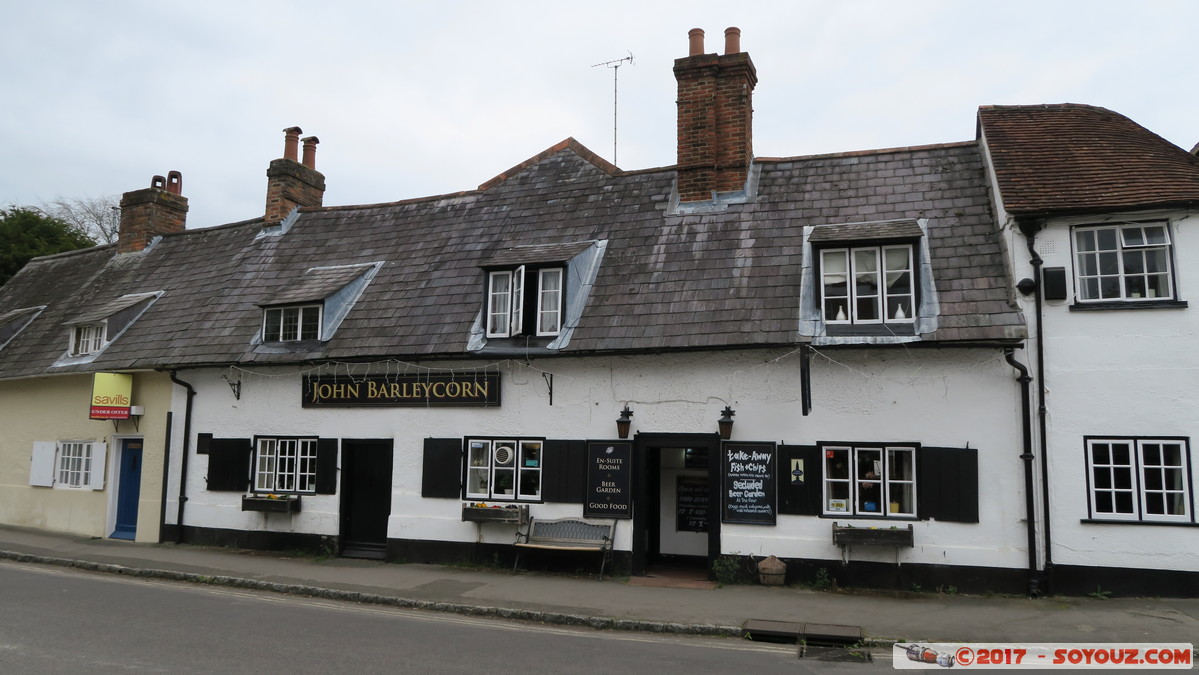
[{"x": 820, "y": 641}]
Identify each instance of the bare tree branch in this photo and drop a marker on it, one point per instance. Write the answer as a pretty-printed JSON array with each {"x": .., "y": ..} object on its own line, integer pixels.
[{"x": 98, "y": 217}]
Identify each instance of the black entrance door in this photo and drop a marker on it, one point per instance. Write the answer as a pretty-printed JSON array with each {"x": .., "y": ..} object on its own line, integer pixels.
[
  {"x": 365, "y": 497},
  {"x": 663, "y": 470}
]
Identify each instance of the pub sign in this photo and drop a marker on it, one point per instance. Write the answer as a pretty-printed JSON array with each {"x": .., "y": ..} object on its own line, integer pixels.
[{"x": 397, "y": 391}]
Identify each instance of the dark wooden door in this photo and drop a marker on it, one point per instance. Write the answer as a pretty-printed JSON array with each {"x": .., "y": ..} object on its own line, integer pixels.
[{"x": 365, "y": 497}]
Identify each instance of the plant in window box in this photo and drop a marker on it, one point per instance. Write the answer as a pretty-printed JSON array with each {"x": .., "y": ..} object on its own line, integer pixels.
[
  {"x": 845, "y": 535},
  {"x": 271, "y": 503},
  {"x": 481, "y": 513}
]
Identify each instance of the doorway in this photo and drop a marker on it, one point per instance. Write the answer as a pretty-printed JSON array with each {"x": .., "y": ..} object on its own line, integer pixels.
[
  {"x": 129, "y": 488},
  {"x": 365, "y": 497},
  {"x": 675, "y": 503}
]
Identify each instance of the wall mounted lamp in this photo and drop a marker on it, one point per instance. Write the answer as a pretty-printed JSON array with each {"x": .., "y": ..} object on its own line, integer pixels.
[
  {"x": 622, "y": 422},
  {"x": 726, "y": 422}
]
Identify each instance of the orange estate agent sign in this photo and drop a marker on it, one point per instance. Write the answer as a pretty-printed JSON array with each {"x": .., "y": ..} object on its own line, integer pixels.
[{"x": 112, "y": 394}]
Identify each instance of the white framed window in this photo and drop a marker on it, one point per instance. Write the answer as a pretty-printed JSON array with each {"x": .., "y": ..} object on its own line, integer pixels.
[
  {"x": 509, "y": 293},
  {"x": 87, "y": 338},
  {"x": 285, "y": 465},
  {"x": 504, "y": 469},
  {"x": 291, "y": 324},
  {"x": 1139, "y": 479},
  {"x": 875, "y": 480},
  {"x": 1125, "y": 263},
  {"x": 867, "y": 285},
  {"x": 68, "y": 464}
]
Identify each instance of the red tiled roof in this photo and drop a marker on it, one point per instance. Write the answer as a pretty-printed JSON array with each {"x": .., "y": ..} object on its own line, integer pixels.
[{"x": 1070, "y": 158}]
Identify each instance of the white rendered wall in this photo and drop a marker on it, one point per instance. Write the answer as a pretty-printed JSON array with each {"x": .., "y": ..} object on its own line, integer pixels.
[
  {"x": 942, "y": 397},
  {"x": 1119, "y": 373}
]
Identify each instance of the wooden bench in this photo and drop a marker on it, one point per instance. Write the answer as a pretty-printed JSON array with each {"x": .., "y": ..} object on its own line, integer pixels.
[{"x": 568, "y": 534}]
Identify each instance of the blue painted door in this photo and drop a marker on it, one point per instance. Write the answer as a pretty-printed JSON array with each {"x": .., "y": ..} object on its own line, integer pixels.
[{"x": 129, "y": 482}]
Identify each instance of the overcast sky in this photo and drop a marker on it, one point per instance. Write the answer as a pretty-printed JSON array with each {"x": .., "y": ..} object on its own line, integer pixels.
[{"x": 413, "y": 99}]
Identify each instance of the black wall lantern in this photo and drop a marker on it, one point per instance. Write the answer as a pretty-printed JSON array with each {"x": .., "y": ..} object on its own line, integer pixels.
[
  {"x": 622, "y": 422},
  {"x": 726, "y": 422}
]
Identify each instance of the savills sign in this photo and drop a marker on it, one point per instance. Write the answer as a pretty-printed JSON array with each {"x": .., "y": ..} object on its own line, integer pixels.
[
  {"x": 429, "y": 390},
  {"x": 111, "y": 396}
]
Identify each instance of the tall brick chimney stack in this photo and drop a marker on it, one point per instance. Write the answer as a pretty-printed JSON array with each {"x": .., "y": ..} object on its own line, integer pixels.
[
  {"x": 291, "y": 183},
  {"x": 151, "y": 212},
  {"x": 715, "y": 117}
]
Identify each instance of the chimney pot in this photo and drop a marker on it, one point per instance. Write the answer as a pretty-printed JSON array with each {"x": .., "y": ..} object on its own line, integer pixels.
[
  {"x": 310, "y": 151},
  {"x": 291, "y": 140},
  {"x": 158, "y": 182},
  {"x": 696, "y": 38},
  {"x": 732, "y": 40},
  {"x": 175, "y": 182}
]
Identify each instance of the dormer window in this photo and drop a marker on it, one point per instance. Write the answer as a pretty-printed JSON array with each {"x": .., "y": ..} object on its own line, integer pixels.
[
  {"x": 867, "y": 284},
  {"x": 87, "y": 339},
  {"x": 290, "y": 324},
  {"x": 524, "y": 301}
]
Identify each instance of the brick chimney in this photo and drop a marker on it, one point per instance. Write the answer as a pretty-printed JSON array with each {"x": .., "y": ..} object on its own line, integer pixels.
[
  {"x": 291, "y": 183},
  {"x": 715, "y": 117},
  {"x": 151, "y": 212}
]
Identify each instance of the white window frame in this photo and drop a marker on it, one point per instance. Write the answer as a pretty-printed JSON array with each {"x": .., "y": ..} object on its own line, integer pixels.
[
  {"x": 883, "y": 274},
  {"x": 1131, "y": 479},
  {"x": 88, "y": 338},
  {"x": 285, "y": 465},
  {"x": 869, "y": 470},
  {"x": 70, "y": 464},
  {"x": 506, "y": 302},
  {"x": 504, "y": 469},
  {"x": 282, "y": 333},
  {"x": 1131, "y": 249}
]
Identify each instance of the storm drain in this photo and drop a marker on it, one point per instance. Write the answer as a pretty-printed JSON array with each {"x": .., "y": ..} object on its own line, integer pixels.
[{"x": 819, "y": 641}]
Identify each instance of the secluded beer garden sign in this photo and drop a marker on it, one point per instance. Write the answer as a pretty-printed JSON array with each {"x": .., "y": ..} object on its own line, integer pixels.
[{"x": 428, "y": 390}]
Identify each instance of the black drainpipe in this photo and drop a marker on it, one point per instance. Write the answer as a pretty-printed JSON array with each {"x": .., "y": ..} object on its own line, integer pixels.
[
  {"x": 1030, "y": 229},
  {"x": 187, "y": 434},
  {"x": 1034, "y": 581}
]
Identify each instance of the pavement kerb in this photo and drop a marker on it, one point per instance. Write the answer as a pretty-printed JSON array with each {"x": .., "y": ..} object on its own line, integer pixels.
[{"x": 516, "y": 614}]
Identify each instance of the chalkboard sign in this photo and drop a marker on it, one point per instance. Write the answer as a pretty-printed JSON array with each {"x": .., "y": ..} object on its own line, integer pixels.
[
  {"x": 747, "y": 483},
  {"x": 692, "y": 498},
  {"x": 609, "y": 480}
]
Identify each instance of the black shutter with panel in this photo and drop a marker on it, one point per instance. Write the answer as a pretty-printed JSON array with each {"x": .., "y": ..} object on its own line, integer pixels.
[
  {"x": 564, "y": 471},
  {"x": 203, "y": 442},
  {"x": 326, "y": 466},
  {"x": 799, "y": 499},
  {"x": 441, "y": 473},
  {"x": 229, "y": 464},
  {"x": 948, "y": 488}
]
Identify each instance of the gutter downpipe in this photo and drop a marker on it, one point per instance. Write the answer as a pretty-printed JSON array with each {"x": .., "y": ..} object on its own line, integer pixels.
[
  {"x": 1030, "y": 229},
  {"x": 1034, "y": 579},
  {"x": 187, "y": 434}
]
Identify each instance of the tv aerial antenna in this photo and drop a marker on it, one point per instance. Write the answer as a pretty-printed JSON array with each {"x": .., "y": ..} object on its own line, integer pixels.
[{"x": 615, "y": 66}]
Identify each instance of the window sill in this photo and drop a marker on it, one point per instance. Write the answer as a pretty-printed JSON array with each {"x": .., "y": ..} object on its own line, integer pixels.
[
  {"x": 1168, "y": 523},
  {"x": 870, "y": 329},
  {"x": 288, "y": 504},
  {"x": 1127, "y": 304}
]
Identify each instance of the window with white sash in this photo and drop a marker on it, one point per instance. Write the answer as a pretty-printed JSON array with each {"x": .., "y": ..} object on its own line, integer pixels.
[
  {"x": 525, "y": 301},
  {"x": 504, "y": 469},
  {"x": 68, "y": 464},
  {"x": 285, "y": 465},
  {"x": 1139, "y": 479},
  {"x": 867, "y": 285},
  {"x": 1123, "y": 263},
  {"x": 870, "y": 480}
]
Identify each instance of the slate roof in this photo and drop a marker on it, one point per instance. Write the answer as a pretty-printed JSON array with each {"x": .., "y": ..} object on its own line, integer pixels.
[
  {"x": 1068, "y": 158},
  {"x": 716, "y": 278}
]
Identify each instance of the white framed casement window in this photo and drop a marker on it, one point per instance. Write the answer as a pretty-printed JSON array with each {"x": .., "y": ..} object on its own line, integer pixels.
[
  {"x": 291, "y": 324},
  {"x": 867, "y": 285},
  {"x": 504, "y": 469},
  {"x": 87, "y": 338},
  {"x": 1139, "y": 479},
  {"x": 870, "y": 481},
  {"x": 1125, "y": 263},
  {"x": 509, "y": 292},
  {"x": 68, "y": 464},
  {"x": 285, "y": 465},
  {"x": 549, "y": 301}
]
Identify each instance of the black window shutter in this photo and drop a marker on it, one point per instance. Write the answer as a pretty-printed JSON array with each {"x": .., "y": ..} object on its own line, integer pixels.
[
  {"x": 564, "y": 472},
  {"x": 326, "y": 466},
  {"x": 203, "y": 442},
  {"x": 441, "y": 473},
  {"x": 229, "y": 464},
  {"x": 799, "y": 499},
  {"x": 948, "y": 488}
]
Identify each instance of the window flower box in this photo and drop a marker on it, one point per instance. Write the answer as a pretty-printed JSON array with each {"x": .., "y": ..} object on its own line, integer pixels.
[
  {"x": 846, "y": 535},
  {"x": 518, "y": 514},
  {"x": 288, "y": 504}
]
